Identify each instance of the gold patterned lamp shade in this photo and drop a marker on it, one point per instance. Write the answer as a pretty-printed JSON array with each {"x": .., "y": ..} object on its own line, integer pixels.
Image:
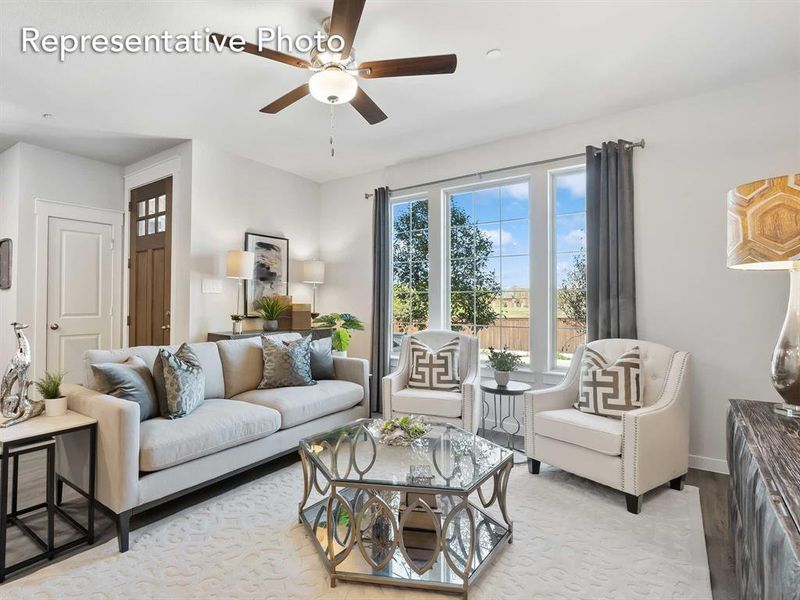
[
  {"x": 764, "y": 224},
  {"x": 764, "y": 234}
]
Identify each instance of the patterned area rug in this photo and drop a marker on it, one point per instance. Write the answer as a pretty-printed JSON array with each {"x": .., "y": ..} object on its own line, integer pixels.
[{"x": 572, "y": 539}]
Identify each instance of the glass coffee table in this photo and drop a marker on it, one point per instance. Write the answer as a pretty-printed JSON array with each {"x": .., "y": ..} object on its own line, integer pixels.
[{"x": 406, "y": 515}]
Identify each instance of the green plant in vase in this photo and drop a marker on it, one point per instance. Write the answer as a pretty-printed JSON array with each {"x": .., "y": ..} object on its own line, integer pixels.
[
  {"x": 49, "y": 387},
  {"x": 270, "y": 308},
  {"x": 341, "y": 325},
  {"x": 503, "y": 362}
]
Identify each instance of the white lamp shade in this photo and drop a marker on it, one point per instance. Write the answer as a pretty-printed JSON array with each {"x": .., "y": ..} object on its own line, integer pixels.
[
  {"x": 313, "y": 271},
  {"x": 240, "y": 264},
  {"x": 333, "y": 86}
]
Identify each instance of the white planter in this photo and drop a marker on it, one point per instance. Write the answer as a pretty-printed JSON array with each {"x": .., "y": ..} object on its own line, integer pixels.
[
  {"x": 501, "y": 377},
  {"x": 342, "y": 353},
  {"x": 55, "y": 407}
]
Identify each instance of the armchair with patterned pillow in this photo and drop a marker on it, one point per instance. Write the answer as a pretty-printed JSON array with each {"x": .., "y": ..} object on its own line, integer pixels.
[
  {"x": 437, "y": 377},
  {"x": 585, "y": 425}
]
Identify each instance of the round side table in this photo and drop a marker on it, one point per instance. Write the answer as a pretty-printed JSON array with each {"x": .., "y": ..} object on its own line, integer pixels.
[{"x": 504, "y": 421}]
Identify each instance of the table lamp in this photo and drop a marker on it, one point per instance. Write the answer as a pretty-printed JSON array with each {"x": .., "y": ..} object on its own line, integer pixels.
[
  {"x": 314, "y": 273},
  {"x": 239, "y": 266},
  {"x": 764, "y": 234}
]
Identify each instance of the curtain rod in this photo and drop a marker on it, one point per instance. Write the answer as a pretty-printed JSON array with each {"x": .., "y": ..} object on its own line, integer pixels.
[{"x": 627, "y": 146}]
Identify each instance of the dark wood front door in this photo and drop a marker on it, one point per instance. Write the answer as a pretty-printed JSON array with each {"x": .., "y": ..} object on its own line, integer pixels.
[{"x": 150, "y": 210}]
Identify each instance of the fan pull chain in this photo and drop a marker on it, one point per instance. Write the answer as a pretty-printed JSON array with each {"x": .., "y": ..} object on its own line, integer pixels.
[{"x": 333, "y": 149}]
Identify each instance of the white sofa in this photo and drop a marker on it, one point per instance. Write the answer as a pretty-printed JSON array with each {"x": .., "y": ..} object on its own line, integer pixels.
[
  {"x": 143, "y": 464},
  {"x": 461, "y": 408},
  {"x": 647, "y": 447}
]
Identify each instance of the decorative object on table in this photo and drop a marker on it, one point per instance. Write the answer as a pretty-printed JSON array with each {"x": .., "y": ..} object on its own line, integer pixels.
[
  {"x": 49, "y": 387},
  {"x": 301, "y": 316},
  {"x": 270, "y": 308},
  {"x": 419, "y": 475},
  {"x": 16, "y": 405},
  {"x": 506, "y": 421},
  {"x": 286, "y": 364},
  {"x": 403, "y": 431},
  {"x": 180, "y": 381},
  {"x": 503, "y": 362},
  {"x": 764, "y": 234},
  {"x": 314, "y": 273},
  {"x": 271, "y": 270},
  {"x": 239, "y": 265},
  {"x": 431, "y": 369},
  {"x": 5, "y": 264},
  {"x": 341, "y": 325},
  {"x": 130, "y": 380},
  {"x": 610, "y": 389}
]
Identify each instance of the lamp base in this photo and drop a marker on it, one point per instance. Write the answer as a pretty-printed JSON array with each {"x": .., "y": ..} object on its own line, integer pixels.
[{"x": 787, "y": 410}]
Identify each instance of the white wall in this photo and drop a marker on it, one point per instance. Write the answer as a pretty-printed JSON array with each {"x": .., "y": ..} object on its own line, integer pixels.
[
  {"x": 697, "y": 149},
  {"x": 232, "y": 195},
  {"x": 9, "y": 228}
]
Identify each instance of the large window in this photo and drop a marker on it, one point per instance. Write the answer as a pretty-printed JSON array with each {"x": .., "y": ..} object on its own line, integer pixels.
[
  {"x": 568, "y": 208},
  {"x": 410, "y": 268},
  {"x": 489, "y": 265}
]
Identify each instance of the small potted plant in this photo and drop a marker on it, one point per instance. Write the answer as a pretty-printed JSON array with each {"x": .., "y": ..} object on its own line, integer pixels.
[
  {"x": 270, "y": 308},
  {"x": 341, "y": 324},
  {"x": 49, "y": 387},
  {"x": 503, "y": 362}
]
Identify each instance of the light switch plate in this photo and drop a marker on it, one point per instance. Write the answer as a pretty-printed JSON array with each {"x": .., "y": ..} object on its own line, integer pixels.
[{"x": 211, "y": 286}]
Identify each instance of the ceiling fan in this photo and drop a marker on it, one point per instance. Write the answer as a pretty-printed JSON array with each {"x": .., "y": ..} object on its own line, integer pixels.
[{"x": 334, "y": 79}]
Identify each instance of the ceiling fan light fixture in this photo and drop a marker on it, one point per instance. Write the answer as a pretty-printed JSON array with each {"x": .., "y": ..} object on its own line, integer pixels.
[{"x": 333, "y": 86}]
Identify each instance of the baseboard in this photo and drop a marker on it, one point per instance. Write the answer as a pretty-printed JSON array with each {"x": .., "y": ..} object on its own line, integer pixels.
[{"x": 704, "y": 463}]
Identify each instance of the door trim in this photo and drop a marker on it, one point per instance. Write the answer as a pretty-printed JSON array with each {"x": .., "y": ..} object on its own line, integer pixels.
[{"x": 43, "y": 211}]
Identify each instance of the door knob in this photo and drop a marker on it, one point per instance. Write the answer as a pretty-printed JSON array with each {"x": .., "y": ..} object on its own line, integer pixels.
[
  {"x": 53, "y": 326},
  {"x": 165, "y": 327}
]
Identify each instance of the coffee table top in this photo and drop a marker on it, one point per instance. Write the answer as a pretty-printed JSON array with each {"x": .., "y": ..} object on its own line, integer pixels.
[{"x": 446, "y": 458}]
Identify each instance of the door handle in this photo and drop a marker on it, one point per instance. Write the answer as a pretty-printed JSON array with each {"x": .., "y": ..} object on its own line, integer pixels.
[
  {"x": 165, "y": 327},
  {"x": 53, "y": 326}
]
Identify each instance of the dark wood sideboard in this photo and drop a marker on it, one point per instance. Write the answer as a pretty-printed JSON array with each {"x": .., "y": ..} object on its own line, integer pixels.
[
  {"x": 764, "y": 463},
  {"x": 316, "y": 334}
]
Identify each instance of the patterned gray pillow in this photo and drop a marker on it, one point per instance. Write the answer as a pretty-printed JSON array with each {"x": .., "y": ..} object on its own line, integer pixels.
[
  {"x": 130, "y": 380},
  {"x": 286, "y": 365},
  {"x": 182, "y": 380},
  {"x": 610, "y": 389},
  {"x": 434, "y": 370}
]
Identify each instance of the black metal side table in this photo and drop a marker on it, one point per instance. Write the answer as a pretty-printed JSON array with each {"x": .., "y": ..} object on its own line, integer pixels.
[
  {"x": 38, "y": 434},
  {"x": 509, "y": 392}
]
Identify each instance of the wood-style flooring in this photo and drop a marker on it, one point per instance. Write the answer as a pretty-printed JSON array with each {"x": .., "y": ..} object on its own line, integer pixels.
[{"x": 713, "y": 502}]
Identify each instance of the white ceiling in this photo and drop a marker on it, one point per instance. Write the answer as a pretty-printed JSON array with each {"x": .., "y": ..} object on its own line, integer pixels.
[{"x": 562, "y": 62}]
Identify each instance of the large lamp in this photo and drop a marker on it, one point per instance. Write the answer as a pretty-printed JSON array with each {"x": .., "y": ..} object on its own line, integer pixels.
[
  {"x": 239, "y": 265},
  {"x": 314, "y": 273},
  {"x": 764, "y": 234}
]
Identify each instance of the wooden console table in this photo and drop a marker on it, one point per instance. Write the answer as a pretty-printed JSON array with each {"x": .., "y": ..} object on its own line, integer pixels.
[
  {"x": 316, "y": 334},
  {"x": 764, "y": 463}
]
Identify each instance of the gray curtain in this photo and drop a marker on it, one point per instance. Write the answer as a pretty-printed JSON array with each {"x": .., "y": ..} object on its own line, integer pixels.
[
  {"x": 610, "y": 273},
  {"x": 380, "y": 297}
]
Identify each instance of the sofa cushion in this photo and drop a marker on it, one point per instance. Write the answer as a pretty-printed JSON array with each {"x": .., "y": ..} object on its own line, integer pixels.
[
  {"x": 130, "y": 380},
  {"x": 301, "y": 404},
  {"x": 601, "y": 434},
  {"x": 243, "y": 362},
  {"x": 434, "y": 403},
  {"x": 213, "y": 426}
]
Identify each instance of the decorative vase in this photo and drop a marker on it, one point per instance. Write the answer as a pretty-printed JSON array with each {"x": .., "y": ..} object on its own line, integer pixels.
[
  {"x": 55, "y": 407},
  {"x": 501, "y": 377},
  {"x": 342, "y": 353},
  {"x": 271, "y": 325},
  {"x": 236, "y": 325}
]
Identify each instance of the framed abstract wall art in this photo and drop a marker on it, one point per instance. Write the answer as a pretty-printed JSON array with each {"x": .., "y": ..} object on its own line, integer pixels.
[{"x": 271, "y": 271}]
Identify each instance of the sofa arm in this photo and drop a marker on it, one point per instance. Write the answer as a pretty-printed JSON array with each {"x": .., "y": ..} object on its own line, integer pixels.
[
  {"x": 355, "y": 370},
  {"x": 655, "y": 439},
  {"x": 117, "y": 447}
]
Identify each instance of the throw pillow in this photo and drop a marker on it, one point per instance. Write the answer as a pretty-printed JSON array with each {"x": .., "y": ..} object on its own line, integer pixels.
[
  {"x": 129, "y": 380},
  {"x": 322, "y": 359},
  {"x": 180, "y": 376},
  {"x": 610, "y": 389},
  {"x": 434, "y": 370},
  {"x": 286, "y": 364}
]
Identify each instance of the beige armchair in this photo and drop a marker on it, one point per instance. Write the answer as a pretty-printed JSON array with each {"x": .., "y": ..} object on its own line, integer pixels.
[
  {"x": 647, "y": 447},
  {"x": 461, "y": 408}
]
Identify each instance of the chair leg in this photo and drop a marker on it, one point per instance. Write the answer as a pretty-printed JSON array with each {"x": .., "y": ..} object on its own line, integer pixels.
[
  {"x": 533, "y": 466},
  {"x": 677, "y": 483},
  {"x": 634, "y": 503},
  {"x": 123, "y": 530}
]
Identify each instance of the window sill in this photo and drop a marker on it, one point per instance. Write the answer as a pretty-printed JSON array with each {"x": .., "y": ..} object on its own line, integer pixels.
[{"x": 553, "y": 377}]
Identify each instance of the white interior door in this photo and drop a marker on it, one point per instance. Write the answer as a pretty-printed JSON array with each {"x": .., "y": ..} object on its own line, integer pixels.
[{"x": 79, "y": 292}]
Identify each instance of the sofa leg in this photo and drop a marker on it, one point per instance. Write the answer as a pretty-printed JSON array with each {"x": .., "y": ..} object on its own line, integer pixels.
[
  {"x": 533, "y": 466},
  {"x": 677, "y": 483},
  {"x": 123, "y": 530},
  {"x": 634, "y": 503},
  {"x": 59, "y": 491}
]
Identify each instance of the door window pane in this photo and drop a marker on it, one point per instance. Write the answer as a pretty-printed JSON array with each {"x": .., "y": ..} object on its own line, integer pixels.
[
  {"x": 161, "y": 224},
  {"x": 151, "y": 206},
  {"x": 162, "y": 203},
  {"x": 142, "y": 206},
  {"x": 140, "y": 228},
  {"x": 151, "y": 226}
]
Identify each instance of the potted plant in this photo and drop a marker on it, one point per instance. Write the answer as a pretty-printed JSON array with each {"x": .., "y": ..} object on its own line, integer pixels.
[
  {"x": 341, "y": 325},
  {"x": 270, "y": 308},
  {"x": 503, "y": 362},
  {"x": 49, "y": 387}
]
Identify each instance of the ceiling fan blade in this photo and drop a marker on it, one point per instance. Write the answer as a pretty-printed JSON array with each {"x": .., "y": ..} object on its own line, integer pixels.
[
  {"x": 288, "y": 59},
  {"x": 367, "y": 108},
  {"x": 286, "y": 100},
  {"x": 344, "y": 21},
  {"x": 404, "y": 67}
]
